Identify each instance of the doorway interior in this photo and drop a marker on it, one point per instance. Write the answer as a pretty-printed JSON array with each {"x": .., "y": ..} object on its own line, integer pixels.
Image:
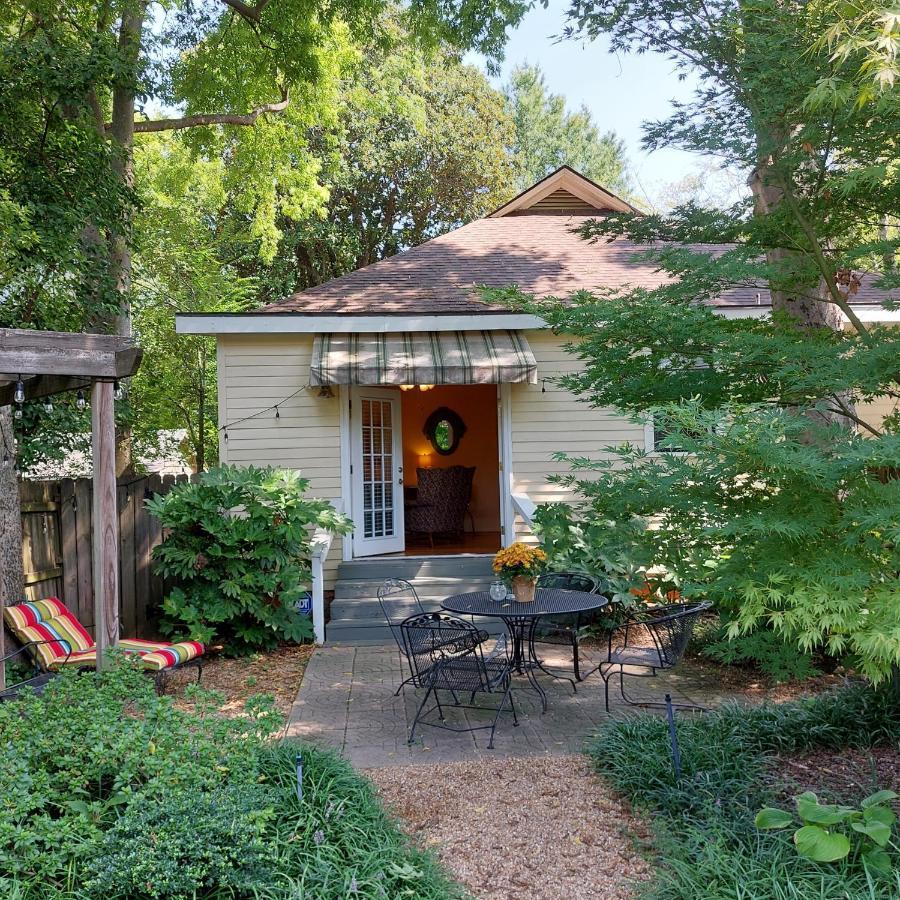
[{"x": 432, "y": 442}]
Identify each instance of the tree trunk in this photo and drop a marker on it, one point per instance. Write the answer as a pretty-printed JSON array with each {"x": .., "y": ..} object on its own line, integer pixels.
[
  {"x": 12, "y": 581},
  {"x": 121, "y": 131},
  {"x": 810, "y": 305}
]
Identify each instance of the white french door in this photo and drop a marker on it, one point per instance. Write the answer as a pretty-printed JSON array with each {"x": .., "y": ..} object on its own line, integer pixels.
[{"x": 377, "y": 471}]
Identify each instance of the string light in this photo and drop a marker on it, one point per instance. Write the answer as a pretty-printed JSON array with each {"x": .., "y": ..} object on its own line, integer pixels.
[
  {"x": 225, "y": 434},
  {"x": 277, "y": 414},
  {"x": 259, "y": 412},
  {"x": 118, "y": 391},
  {"x": 80, "y": 402},
  {"x": 20, "y": 391},
  {"x": 48, "y": 405}
]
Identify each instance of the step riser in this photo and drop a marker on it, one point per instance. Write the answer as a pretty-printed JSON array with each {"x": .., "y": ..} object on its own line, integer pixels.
[
  {"x": 369, "y": 610},
  {"x": 414, "y": 568},
  {"x": 347, "y": 632},
  {"x": 435, "y": 587}
]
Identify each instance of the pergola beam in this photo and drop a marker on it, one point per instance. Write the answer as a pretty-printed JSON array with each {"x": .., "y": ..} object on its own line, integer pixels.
[{"x": 50, "y": 362}]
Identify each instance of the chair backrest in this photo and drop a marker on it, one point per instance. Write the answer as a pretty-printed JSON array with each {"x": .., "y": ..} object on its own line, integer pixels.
[
  {"x": 49, "y": 623},
  {"x": 398, "y": 601},
  {"x": 568, "y": 581},
  {"x": 671, "y": 628},
  {"x": 447, "y": 492},
  {"x": 433, "y": 638}
]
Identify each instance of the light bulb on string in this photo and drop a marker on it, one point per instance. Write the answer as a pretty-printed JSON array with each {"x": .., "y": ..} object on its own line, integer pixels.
[
  {"x": 118, "y": 391},
  {"x": 19, "y": 396},
  {"x": 48, "y": 405},
  {"x": 277, "y": 414},
  {"x": 80, "y": 402},
  {"x": 18, "y": 413}
]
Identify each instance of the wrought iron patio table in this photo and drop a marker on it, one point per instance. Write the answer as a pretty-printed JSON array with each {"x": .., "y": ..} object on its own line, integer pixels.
[{"x": 520, "y": 620}]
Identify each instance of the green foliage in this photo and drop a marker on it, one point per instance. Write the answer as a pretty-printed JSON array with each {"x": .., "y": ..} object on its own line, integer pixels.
[
  {"x": 832, "y": 833},
  {"x": 416, "y": 145},
  {"x": 707, "y": 842},
  {"x": 548, "y": 136},
  {"x": 110, "y": 790},
  {"x": 238, "y": 554},
  {"x": 768, "y": 651}
]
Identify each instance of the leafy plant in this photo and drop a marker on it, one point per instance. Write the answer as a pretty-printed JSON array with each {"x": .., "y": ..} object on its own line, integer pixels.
[
  {"x": 831, "y": 833},
  {"x": 769, "y": 651},
  {"x": 238, "y": 553},
  {"x": 109, "y": 790}
]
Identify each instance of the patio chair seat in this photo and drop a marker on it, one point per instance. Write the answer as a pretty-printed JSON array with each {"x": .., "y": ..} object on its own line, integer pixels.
[
  {"x": 56, "y": 639},
  {"x": 648, "y": 657}
]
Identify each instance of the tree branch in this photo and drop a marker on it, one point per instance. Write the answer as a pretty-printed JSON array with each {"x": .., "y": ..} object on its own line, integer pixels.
[
  {"x": 214, "y": 118},
  {"x": 246, "y": 11}
]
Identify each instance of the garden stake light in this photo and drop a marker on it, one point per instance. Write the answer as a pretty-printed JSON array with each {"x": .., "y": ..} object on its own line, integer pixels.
[{"x": 673, "y": 737}]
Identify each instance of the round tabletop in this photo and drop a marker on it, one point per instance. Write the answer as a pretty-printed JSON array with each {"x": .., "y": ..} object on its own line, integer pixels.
[{"x": 547, "y": 602}]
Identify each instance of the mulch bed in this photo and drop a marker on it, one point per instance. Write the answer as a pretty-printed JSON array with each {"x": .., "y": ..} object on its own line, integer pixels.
[
  {"x": 838, "y": 776},
  {"x": 546, "y": 828},
  {"x": 277, "y": 672}
]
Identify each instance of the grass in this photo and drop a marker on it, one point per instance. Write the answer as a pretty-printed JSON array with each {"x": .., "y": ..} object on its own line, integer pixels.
[{"x": 707, "y": 847}]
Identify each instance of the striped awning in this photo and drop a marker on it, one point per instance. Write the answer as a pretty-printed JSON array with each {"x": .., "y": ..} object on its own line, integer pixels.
[{"x": 427, "y": 357}]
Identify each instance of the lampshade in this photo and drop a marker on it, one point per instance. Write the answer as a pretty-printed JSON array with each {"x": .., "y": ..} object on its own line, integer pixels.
[{"x": 424, "y": 460}]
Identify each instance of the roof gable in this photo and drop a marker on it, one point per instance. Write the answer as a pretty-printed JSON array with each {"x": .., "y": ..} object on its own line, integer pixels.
[{"x": 566, "y": 192}]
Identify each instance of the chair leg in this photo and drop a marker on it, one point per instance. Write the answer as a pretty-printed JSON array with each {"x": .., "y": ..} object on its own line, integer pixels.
[
  {"x": 412, "y": 732},
  {"x": 440, "y": 708},
  {"x": 512, "y": 704},
  {"x": 575, "y": 660},
  {"x": 506, "y": 694},
  {"x": 605, "y": 687}
]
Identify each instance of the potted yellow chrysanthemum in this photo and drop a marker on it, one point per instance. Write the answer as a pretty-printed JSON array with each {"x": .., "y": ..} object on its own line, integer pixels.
[{"x": 519, "y": 566}]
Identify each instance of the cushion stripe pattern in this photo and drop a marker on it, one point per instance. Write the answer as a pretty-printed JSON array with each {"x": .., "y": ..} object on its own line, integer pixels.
[{"x": 71, "y": 645}]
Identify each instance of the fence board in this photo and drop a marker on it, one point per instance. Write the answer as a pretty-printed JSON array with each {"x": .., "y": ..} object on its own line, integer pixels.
[{"x": 57, "y": 551}]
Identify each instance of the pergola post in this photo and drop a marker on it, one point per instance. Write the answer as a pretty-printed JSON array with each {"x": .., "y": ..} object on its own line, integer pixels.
[{"x": 105, "y": 519}]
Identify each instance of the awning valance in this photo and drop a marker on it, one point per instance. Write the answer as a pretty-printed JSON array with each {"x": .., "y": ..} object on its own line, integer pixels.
[{"x": 427, "y": 357}]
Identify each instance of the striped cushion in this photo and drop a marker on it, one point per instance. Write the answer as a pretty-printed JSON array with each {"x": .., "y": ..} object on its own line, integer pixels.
[
  {"x": 47, "y": 620},
  {"x": 71, "y": 645},
  {"x": 161, "y": 654}
]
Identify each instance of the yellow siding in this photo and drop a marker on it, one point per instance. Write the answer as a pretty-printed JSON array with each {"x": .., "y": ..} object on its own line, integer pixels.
[
  {"x": 544, "y": 423},
  {"x": 257, "y": 371},
  {"x": 875, "y": 412}
]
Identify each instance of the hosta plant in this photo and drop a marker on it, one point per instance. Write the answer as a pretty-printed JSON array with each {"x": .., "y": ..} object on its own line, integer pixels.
[
  {"x": 238, "y": 556},
  {"x": 830, "y": 833}
]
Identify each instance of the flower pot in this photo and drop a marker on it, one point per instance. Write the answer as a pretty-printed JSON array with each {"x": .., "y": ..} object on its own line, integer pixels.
[{"x": 523, "y": 588}]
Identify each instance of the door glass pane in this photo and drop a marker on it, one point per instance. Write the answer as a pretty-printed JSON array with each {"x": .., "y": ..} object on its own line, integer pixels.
[{"x": 377, "y": 468}]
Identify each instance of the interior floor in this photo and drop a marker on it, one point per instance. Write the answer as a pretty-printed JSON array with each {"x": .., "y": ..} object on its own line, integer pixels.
[{"x": 469, "y": 542}]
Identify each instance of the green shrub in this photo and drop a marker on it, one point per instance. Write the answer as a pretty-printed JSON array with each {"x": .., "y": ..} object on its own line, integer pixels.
[
  {"x": 107, "y": 790},
  {"x": 238, "y": 554},
  {"x": 705, "y": 836},
  {"x": 765, "y": 649}
]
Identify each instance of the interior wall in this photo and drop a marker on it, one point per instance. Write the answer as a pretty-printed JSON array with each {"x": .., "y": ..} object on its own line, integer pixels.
[{"x": 476, "y": 405}]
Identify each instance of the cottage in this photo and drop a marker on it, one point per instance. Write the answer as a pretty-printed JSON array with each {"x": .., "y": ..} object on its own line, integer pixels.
[{"x": 421, "y": 411}]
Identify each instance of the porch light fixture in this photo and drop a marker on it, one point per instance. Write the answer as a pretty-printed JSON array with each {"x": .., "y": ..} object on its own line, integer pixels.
[
  {"x": 407, "y": 387},
  {"x": 325, "y": 392},
  {"x": 425, "y": 387}
]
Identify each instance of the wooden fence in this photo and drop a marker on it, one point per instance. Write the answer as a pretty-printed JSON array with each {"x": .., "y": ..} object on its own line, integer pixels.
[{"x": 57, "y": 550}]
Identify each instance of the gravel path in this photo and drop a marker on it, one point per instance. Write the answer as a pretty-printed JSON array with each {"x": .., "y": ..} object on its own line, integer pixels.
[{"x": 547, "y": 828}]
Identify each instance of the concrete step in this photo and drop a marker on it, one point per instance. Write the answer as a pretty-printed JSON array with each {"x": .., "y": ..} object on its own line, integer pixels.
[
  {"x": 367, "y": 588},
  {"x": 367, "y": 609},
  {"x": 411, "y": 568},
  {"x": 373, "y": 631}
]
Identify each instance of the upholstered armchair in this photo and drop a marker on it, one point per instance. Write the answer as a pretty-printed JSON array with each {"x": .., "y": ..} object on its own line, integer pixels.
[{"x": 442, "y": 500}]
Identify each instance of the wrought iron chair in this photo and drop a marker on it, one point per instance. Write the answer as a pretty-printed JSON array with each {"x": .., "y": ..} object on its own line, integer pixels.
[
  {"x": 447, "y": 654},
  {"x": 651, "y": 639},
  {"x": 37, "y": 679},
  {"x": 399, "y": 600},
  {"x": 564, "y": 630}
]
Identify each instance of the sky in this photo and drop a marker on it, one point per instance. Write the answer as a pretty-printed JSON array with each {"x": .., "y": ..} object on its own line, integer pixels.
[{"x": 620, "y": 90}]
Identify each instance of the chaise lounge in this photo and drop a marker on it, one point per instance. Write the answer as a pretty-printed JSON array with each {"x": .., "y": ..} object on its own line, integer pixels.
[{"x": 55, "y": 639}]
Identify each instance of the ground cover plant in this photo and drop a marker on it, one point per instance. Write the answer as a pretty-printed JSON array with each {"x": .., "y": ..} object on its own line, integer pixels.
[
  {"x": 107, "y": 789},
  {"x": 706, "y": 839},
  {"x": 238, "y": 554}
]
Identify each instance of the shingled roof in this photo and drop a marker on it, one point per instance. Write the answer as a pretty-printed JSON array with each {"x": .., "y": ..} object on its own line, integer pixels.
[{"x": 529, "y": 242}]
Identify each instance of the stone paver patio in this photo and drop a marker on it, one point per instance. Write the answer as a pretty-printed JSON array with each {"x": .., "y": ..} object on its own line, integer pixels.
[{"x": 346, "y": 702}]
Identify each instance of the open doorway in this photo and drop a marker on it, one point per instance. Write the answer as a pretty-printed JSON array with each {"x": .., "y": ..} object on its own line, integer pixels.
[{"x": 451, "y": 467}]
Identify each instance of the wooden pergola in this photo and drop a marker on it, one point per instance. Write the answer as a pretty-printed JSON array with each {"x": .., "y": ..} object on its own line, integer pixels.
[{"x": 53, "y": 362}]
